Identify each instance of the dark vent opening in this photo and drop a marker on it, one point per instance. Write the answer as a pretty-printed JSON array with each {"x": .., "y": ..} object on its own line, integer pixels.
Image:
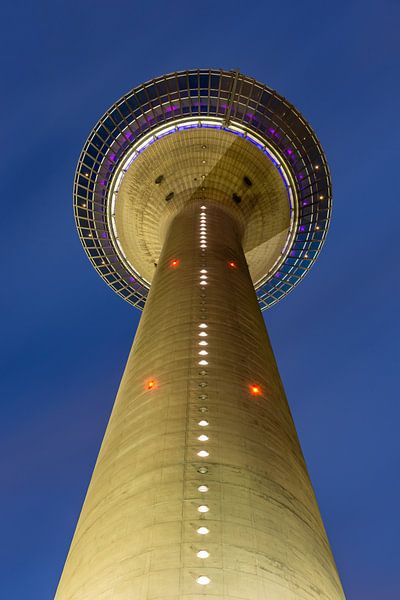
[{"x": 236, "y": 198}]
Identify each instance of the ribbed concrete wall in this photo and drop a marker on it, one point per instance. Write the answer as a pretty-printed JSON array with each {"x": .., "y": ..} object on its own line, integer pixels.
[{"x": 137, "y": 535}]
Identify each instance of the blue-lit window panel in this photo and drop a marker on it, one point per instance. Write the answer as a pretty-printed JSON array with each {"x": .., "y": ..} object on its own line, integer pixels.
[{"x": 293, "y": 279}]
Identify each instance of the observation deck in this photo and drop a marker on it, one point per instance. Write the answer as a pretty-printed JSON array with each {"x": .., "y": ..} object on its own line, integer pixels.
[{"x": 197, "y": 135}]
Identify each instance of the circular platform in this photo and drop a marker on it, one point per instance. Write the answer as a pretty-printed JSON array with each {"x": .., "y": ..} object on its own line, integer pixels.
[{"x": 209, "y": 135}]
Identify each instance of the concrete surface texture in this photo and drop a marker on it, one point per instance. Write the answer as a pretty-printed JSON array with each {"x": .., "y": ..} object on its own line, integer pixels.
[{"x": 200, "y": 489}]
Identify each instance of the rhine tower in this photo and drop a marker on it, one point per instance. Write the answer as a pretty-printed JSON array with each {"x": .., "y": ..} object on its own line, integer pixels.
[{"x": 202, "y": 198}]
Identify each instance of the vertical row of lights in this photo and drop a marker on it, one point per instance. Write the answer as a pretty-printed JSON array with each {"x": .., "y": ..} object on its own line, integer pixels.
[{"x": 202, "y": 361}]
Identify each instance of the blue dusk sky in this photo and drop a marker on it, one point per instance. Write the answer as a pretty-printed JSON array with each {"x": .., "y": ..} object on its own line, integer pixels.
[{"x": 65, "y": 335}]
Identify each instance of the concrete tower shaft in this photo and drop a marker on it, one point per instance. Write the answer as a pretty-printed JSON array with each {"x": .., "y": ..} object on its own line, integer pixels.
[{"x": 200, "y": 454}]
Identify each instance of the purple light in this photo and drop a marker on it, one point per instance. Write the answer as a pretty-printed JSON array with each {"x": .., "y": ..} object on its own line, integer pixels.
[
  {"x": 302, "y": 228},
  {"x": 104, "y": 235},
  {"x": 112, "y": 157},
  {"x": 300, "y": 176},
  {"x": 289, "y": 151},
  {"x": 171, "y": 108},
  {"x": 293, "y": 253},
  {"x": 278, "y": 274},
  {"x": 305, "y": 203},
  {"x": 102, "y": 182},
  {"x": 128, "y": 135},
  {"x": 131, "y": 278},
  {"x": 274, "y": 133},
  {"x": 224, "y": 106}
]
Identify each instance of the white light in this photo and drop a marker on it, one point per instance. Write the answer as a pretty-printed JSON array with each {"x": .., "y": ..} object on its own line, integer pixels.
[
  {"x": 203, "y": 580},
  {"x": 203, "y": 207},
  {"x": 203, "y": 530},
  {"x": 203, "y": 277},
  {"x": 203, "y": 325},
  {"x": 203, "y": 423},
  {"x": 203, "y": 554},
  {"x": 203, "y": 453},
  {"x": 203, "y": 353},
  {"x": 144, "y": 144},
  {"x": 202, "y": 438},
  {"x": 203, "y": 282},
  {"x": 203, "y": 488},
  {"x": 203, "y": 334},
  {"x": 203, "y": 363},
  {"x": 203, "y": 271},
  {"x": 203, "y": 343},
  {"x": 203, "y": 508}
]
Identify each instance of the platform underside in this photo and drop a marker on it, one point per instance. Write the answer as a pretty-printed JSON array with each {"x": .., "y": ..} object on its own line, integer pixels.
[{"x": 202, "y": 164}]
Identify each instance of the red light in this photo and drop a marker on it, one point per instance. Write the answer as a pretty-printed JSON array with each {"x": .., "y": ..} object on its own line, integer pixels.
[
  {"x": 151, "y": 384},
  {"x": 232, "y": 264},
  {"x": 255, "y": 390},
  {"x": 174, "y": 263}
]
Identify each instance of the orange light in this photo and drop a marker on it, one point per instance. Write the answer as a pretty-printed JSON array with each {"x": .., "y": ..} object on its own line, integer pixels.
[
  {"x": 174, "y": 263},
  {"x": 255, "y": 390},
  {"x": 232, "y": 264},
  {"x": 151, "y": 384}
]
